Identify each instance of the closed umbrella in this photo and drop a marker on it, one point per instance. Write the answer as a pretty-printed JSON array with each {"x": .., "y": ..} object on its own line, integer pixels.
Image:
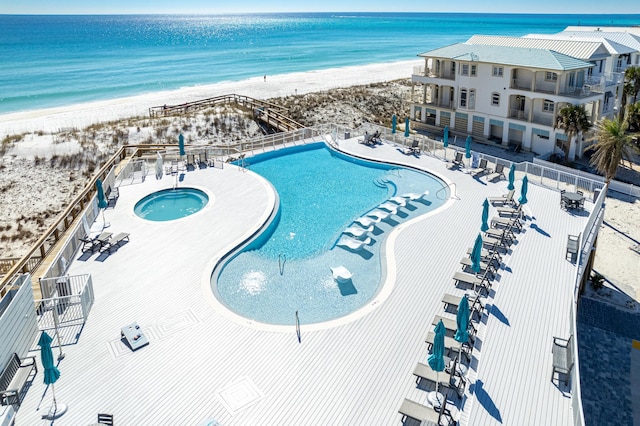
[
  {"x": 467, "y": 150},
  {"x": 445, "y": 140},
  {"x": 523, "y": 191},
  {"x": 512, "y": 175},
  {"x": 485, "y": 216},
  {"x": 406, "y": 127},
  {"x": 181, "y": 144},
  {"x": 102, "y": 201},
  {"x": 51, "y": 375},
  {"x": 159, "y": 167},
  {"x": 394, "y": 123},
  {"x": 462, "y": 326},
  {"x": 436, "y": 362},
  {"x": 476, "y": 256}
]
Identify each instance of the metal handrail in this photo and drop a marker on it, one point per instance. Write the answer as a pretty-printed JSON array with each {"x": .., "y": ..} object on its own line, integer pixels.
[{"x": 449, "y": 185}]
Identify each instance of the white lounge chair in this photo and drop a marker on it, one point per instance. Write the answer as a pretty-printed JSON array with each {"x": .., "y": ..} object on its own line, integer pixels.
[
  {"x": 412, "y": 196},
  {"x": 503, "y": 199},
  {"x": 366, "y": 221},
  {"x": 390, "y": 207},
  {"x": 352, "y": 243},
  {"x": 400, "y": 201},
  {"x": 380, "y": 214},
  {"x": 341, "y": 274},
  {"x": 357, "y": 231}
]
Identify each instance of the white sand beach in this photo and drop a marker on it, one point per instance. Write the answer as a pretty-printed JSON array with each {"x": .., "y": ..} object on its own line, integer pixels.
[{"x": 618, "y": 254}]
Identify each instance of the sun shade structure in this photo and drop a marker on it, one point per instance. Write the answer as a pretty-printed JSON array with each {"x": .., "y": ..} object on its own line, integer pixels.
[
  {"x": 512, "y": 174},
  {"x": 51, "y": 375},
  {"x": 436, "y": 361},
  {"x": 523, "y": 191}
]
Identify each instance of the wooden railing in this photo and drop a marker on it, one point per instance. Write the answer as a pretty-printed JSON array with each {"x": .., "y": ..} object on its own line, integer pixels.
[{"x": 272, "y": 114}]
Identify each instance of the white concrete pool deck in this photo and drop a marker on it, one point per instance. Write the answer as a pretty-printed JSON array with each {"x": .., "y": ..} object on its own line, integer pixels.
[{"x": 201, "y": 364}]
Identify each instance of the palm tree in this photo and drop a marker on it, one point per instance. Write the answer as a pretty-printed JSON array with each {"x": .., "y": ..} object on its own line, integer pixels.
[
  {"x": 633, "y": 117},
  {"x": 613, "y": 146},
  {"x": 573, "y": 120}
]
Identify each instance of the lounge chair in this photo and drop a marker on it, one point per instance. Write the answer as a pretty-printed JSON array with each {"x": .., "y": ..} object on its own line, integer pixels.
[
  {"x": 366, "y": 221},
  {"x": 353, "y": 244},
  {"x": 112, "y": 196},
  {"x": 425, "y": 414},
  {"x": 412, "y": 196},
  {"x": 451, "y": 325},
  {"x": 481, "y": 169},
  {"x": 381, "y": 214},
  {"x": 503, "y": 199},
  {"x": 502, "y": 236},
  {"x": 484, "y": 266},
  {"x": 400, "y": 201},
  {"x": 390, "y": 207},
  {"x": 451, "y": 345},
  {"x": 488, "y": 256},
  {"x": 510, "y": 211},
  {"x": 425, "y": 373},
  {"x": 474, "y": 280},
  {"x": 498, "y": 173},
  {"x": 114, "y": 243},
  {"x": 94, "y": 243},
  {"x": 475, "y": 303},
  {"x": 357, "y": 231},
  {"x": 457, "y": 161},
  {"x": 341, "y": 274},
  {"x": 506, "y": 222}
]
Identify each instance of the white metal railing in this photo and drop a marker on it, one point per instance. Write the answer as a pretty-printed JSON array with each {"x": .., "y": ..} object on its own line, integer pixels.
[{"x": 67, "y": 301}]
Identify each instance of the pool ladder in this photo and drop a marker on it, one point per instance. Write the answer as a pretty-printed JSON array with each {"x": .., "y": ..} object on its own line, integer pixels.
[
  {"x": 298, "y": 328},
  {"x": 282, "y": 259}
]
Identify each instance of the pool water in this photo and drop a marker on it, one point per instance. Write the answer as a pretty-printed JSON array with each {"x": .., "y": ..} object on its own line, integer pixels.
[
  {"x": 287, "y": 268},
  {"x": 171, "y": 204}
]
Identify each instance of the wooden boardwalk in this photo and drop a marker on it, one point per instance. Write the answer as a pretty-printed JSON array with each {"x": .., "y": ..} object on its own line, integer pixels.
[{"x": 201, "y": 365}]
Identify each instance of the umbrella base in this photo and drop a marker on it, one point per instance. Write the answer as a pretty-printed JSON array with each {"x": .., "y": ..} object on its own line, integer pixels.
[
  {"x": 55, "y": 412},
  {"x": 436, "y": 399}
]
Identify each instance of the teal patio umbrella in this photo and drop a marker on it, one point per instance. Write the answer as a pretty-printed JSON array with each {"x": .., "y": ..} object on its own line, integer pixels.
[
  {"x": 181, "y": 144},
  {"x": 394, "y": 123},
  {"x": 512, "y": 175},
  {"x": 476, "y": 255},
  {"x": 51, "y": 375},
  {"x": 467, "y": 149},
  {"x": 523, "y": 191},
  {"x": 445, "y": 140},
  {"x": 485, "y": 216},
  {"x": 436, "y": 361},
  {"x": 462, "y": 324},
  {"x": 102, "y": 201},
  {"x": 406, "y": 127}
]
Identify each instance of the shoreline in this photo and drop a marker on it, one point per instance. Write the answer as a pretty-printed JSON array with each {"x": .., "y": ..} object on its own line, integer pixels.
[{"x": 85, "y": 114}]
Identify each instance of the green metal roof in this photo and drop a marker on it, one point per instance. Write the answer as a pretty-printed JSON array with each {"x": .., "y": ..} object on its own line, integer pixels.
[{"x": 508, "y": 55}]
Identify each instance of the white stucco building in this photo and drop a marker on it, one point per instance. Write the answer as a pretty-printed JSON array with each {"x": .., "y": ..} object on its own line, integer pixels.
[{"x": 508, "y": 90}]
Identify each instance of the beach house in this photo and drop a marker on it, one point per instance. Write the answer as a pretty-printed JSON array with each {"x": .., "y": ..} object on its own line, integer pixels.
[{"x": 509, "y": 90}]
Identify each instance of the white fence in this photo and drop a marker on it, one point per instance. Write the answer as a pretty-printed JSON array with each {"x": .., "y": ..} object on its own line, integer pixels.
[{"x": 67, "y": 300}]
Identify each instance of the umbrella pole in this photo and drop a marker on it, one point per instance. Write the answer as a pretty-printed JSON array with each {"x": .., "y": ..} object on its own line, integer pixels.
[{"x": 55, "y": 323}]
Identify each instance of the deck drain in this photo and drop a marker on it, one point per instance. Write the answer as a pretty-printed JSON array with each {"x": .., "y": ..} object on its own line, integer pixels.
[{"x": 239, "y": 395}]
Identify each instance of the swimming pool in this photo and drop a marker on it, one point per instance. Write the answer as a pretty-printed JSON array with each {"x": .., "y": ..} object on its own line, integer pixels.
[
  {"x": 171, "y": 204},
  {"x": 288, "y": 267}
]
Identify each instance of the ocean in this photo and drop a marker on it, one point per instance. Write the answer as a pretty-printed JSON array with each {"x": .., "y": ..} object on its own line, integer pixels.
[{"x": 58, "y": 60}]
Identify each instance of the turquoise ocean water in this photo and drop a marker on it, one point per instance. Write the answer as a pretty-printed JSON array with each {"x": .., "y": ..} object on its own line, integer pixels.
[{"x": 60, "y": 60}]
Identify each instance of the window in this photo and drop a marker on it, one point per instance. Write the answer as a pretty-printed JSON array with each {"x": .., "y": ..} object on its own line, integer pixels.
[
  {"x": 495, "y": 99},
  {"x": 551, "y": 76},
  {"x": 497, "y": 72},
  {"x": 548, "y": 106},
  {"x": 465, "y": 69},
  {"x": 453, "y": 68},
  {"x": 472, "y": 99},
  {"x": 463, "y": 97},
  {"x": 474, "y": 70}
]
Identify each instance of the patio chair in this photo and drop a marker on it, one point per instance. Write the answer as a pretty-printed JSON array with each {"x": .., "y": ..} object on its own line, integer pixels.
[
  {"x": 506, "y": 222},
  {"x": 96, "y": 242},
  {"x": 484, "y": 266},
  {"x": 498, "y": 173},
  {"x": 114, "y": 243},
  {"x": 105, "y": 419},
  {"x": 425, "y": 414},
  {"x": 353, "y": 244},
  {"x": 425, "y": 373},
  {"x": 413, "y": 149},
  {"x": 451, "y": 345},
  {"x": 457, "y": 161},
  {"x": 451, "y": 325},
  {"x": 473, "y": 280},
  {"x": 572, "y": 247},
  {"x": 481, "y": 169},
  {"x": 503, "y": 199},
  {"x": 563, "y": 361},
  {"x": 510, "y": 211}
]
